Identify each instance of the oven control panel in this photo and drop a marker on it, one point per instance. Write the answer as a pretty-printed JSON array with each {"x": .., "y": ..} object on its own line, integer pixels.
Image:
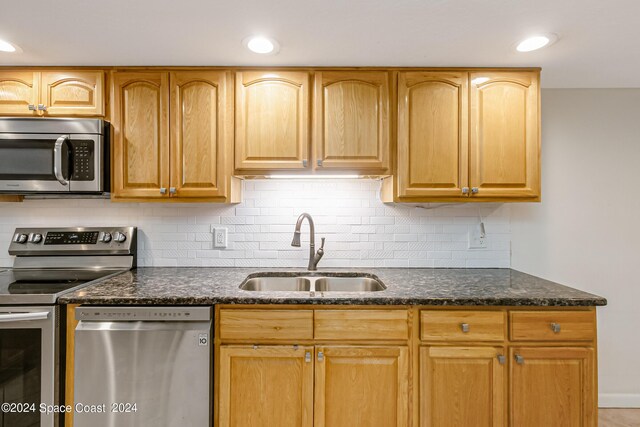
[{"x": 73, "y": 241}]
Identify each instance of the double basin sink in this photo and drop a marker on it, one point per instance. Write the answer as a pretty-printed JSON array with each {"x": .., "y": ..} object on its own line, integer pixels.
[{"x": 312, "y": 283}]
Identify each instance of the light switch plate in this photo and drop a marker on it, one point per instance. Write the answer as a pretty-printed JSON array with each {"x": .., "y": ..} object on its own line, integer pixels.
[{"x": 220, "y": 237}]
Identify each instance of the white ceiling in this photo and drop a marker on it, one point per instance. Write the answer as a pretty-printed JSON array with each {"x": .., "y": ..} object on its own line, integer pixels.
[{"x": 599, "y": 43}]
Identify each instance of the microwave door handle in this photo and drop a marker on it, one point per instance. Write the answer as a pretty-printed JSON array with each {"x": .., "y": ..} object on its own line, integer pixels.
[
  {"x": 18, "y": 317},
  {"x": 57, "y": 159}
]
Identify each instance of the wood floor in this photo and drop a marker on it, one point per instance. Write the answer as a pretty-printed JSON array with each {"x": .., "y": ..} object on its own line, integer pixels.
[{"x": 619, "y": 417}]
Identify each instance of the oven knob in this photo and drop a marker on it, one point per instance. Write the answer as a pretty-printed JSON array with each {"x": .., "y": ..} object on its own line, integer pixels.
[
  {"x": 35, "y": 238},
  {"x": 20, "y": 238},
  {"x": 104, "y": 237},
  {"x": 119, "y": 237}
]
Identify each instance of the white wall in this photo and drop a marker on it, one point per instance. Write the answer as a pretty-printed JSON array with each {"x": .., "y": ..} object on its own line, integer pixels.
[
  {"x": 586, "y": 231},
  {"x": 360, "y": 230}
]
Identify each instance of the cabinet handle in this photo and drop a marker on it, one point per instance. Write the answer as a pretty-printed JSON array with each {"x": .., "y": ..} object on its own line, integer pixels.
[
  {"x": 519, "y": 359},
  {"x": 501, "y": 359},
  {"x": 307, "y": 357},
  {"x": 163, "y": 190},
  {"x": 42, "y": 107},
  {"x": 474, "y": 190},
  {"x": 255, "y": 346},
  {"x": 465, "y": 190},
  {"x": 304, "y": 163},
  {"x": 319, "y": 162},
  {"x": 464, "y": 327},
  {"x": 32, "y": 107},
  {"x": 172, "y": 190},
  {"x": 320, "y": 356},
  {"x": 555, "y": 327}
]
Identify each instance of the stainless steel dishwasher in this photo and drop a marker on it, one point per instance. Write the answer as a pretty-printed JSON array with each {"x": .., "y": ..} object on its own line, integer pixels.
[{"x": 142, "y": 366}]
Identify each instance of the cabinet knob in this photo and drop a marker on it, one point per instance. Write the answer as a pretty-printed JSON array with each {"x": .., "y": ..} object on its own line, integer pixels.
[
  {"x": 172, "y": 190},
  {"x": 307, "y": 357},
  {"x": 320, "y": 356},
  {"x": 501, "y": 359},
  {"x": 465, "y": 190},
  {"x": 304, "y": 163},
  {"x": 519, "y": 359},
  {"x": 464, "y": 327},
  {"x": 32, "y": 107},
  {"x": 555, "y": 327},
  {"x": 42, "y": 107},
  {"x": 319, "y": 162},
  {"x": 163, "y": 190},
  {"x": 474, "y": 190}
]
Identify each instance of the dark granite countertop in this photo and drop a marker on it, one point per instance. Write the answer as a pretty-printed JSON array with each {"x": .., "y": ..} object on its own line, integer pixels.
[{"x": 405, "y": 286}]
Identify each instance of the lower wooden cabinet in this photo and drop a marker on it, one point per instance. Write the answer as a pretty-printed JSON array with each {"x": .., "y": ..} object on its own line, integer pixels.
[
  {"x": 552, "y": 386},
  {"x": 362, "y": 386},
  {"x": 269, "y": 386},
  {"x": 462, "y": 386}
]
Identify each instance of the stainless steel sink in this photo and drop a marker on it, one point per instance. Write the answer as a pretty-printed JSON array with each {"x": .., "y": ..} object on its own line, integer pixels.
[
  {"x": 348, "y": 284},
  {"x": 312, "y": 283},
  {"x": 282, "y": 284}
]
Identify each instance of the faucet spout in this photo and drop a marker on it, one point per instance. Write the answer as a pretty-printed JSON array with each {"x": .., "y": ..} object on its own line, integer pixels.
[{"x": 314, "y": 258}]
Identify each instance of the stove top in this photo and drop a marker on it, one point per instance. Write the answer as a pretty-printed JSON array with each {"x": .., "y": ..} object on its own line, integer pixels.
[{"x": 52, "y": 262}]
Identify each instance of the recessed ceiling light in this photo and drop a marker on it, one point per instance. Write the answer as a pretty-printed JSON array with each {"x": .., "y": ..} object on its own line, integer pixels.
[
  {"x": 262, "y": 45},
  {"x": 536, "y": 42},
  {"x": 7, "y": 47}
]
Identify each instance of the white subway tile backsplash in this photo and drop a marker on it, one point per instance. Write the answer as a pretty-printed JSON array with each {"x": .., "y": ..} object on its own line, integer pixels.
[{"x": 360, "y": 230}]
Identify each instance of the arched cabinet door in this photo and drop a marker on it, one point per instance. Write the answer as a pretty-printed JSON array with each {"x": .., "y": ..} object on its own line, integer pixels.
[
  {"x": 432, "y": 134},
  {"x": 201, "y": 131},
  {"x": 18, "y": 90},
  {"x": 141, "y": 135},
  {"x": 272, "y": 120},
  {"x": 72, "y": 93},
  {"x": 351, "y": 121},
  {"x": 504, "y": 158}
]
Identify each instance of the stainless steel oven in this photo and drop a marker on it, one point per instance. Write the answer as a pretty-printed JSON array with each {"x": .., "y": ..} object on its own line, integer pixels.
[
  {"x": 65, "y": 156},
  {"x": 28, "y": 365}
]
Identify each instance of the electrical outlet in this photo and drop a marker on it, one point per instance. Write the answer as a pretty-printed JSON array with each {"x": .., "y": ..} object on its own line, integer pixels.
[
  {"x": 220, "y": 237},
  {"x": 476, "y": 240}
]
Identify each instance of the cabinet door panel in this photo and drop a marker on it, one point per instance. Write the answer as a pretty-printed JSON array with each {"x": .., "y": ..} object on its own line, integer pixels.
[
  {"x": 352, "y": 120},
  {"x": 362, "y": 386},
  {"x": 141, "y": 134},
  {"x": 18, "y": 90},
  {"x": 462, "y": 386},
  {"x": 552, "y": 387},
  {"x": 272, "y": 120},
  {"x": 504, "y": 157},
  {"x": 265, "y": 386},
  {"x": 73, "y": 93},
  {"x": 432, "y": 134},
  {"x": 201, "y": 133}
]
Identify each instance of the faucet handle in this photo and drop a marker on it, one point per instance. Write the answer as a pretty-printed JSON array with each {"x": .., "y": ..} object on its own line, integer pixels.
[{"x": 321, "y": 244}]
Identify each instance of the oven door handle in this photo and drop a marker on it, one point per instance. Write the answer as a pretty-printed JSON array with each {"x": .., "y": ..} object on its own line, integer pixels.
[
  {"x": 57, "y": 159},
  {"x": 19, "y": 317}
]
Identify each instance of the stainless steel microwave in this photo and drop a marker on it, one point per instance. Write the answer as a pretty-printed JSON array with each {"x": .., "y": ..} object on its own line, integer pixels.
[{"x": 54, "y": 156}]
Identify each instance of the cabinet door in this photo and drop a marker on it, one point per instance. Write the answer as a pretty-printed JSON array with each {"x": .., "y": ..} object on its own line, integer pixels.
[
  {"x": 505, "y": 142},
  {"x": 72, "y": 93},
  {"x": 432, "y": 134},
  {"x": 201, "y": 132},
  {"x": 266, "y": 386},
  {"x": 462, "y": 386},
  {"x": 141, "y": 135},
  {"x": 362, "y": 386},
  {"x": 552, "y": 386},
  {"x": 272, "y": 120},
  {"x": 351, "y": 120},
  {"x": 18, "y": 90}
]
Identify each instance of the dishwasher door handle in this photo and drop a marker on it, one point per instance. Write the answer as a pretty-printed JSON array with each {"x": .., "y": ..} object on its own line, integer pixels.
[{"x": 23, "y": 317}]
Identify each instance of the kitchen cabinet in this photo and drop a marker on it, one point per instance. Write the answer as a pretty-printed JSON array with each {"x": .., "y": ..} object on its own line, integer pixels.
[
  {"x": 352, "y": 123},
  {"x": 272, "y": 120},
  {"x": 552, "y": 386},
  {"x": 463, "y": 386},
  {"x": 467, "y": 136},
  {"x": 172, "y": 136},
  {"x": 361, "y": 386},
  {"x": 52, "y": 93}
]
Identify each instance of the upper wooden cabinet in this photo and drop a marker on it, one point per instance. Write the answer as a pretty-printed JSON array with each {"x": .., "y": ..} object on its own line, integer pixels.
[
  {"x": 272, "y": 120},
  {"x": 351, "y": 120},
  {"x": 52, "y": 93},
  {"x": 178, "y": 156},
  {"x": 432, "y": 134},
  {"x": 504, "y": 157}
]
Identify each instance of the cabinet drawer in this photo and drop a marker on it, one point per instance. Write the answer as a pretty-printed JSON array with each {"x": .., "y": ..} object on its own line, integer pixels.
[
  {"x": 361, "y": 325},
  {"x": 553, "y": 325},
  {"x": 257, "y": 325},
  {"x": 440, "y": 325}
]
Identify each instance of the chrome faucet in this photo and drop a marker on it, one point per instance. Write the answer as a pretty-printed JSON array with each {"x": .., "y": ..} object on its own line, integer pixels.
[{"x": 314, "y": 258}]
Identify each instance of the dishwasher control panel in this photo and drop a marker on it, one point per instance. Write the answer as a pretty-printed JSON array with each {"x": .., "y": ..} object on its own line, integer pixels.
[{"x": 143, "y": 314}]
